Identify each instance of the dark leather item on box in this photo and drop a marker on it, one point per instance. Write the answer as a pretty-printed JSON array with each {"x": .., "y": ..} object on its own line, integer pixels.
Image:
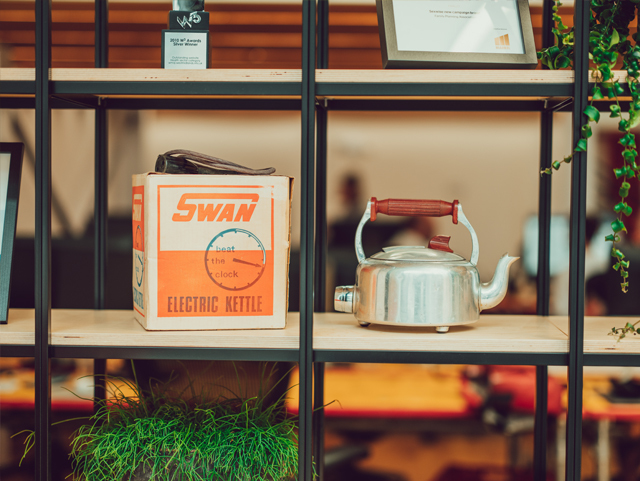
[{"x": 189, "y": 162}]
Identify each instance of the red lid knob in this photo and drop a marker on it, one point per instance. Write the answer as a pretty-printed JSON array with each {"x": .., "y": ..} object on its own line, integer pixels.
[{"x": 440, "y": 243}]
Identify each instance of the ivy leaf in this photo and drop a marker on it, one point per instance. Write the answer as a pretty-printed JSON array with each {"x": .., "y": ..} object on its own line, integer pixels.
[
  {"x": 618, "y": 87},
  {"x": 617, "y": 253},
  {"x": 623, "y": 125},
  {"x": 592, "y": 113},
  {"x": 619, "y": 207},
  {"x": 621, "y": 172},
  {"x": 612, "y": 238},
  {"x": 581, "y": 146},
  {"x": 597, "y": 93},
  {"x": 615, "y": 110},
  {"x": 615, "y": 38},
  {"x": 556, "y": 165},
  {"x": 628, "y": 140},
  {"x": 561, "y": 61},
  {"x": 616, "y": 266},
  {"x": 586, "y": 131},
  {"x": 627, "y": 210},
  {"x": 624, "y": 190},
  {"x": 629, "y": 155},
  {"x": 617, "y": 226}
]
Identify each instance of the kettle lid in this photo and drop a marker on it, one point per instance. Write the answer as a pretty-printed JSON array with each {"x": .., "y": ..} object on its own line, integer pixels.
[{"x": 416, "y": 254}]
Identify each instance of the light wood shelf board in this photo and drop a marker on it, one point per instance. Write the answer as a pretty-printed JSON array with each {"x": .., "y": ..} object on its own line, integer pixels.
[
  {"x": 596, "y": 335},
  {"x": 17, "y": 74},
  {"x": 169, "y": 75},
  {"x": 78, "y": 327},
  {"x": 20, "y": 328},
  {"x": 492, "y": 333},
  {"x": 445, "y": 76}
]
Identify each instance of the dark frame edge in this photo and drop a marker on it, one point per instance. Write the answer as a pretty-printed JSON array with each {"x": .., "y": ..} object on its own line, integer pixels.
[{"x": 16, "y": 152}]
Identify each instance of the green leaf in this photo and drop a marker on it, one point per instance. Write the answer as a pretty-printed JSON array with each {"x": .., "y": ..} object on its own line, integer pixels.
[
  {"x": 624, "y": 274},
  {"x": 621, "y": 172},
  {"x": 629, "y": 155},
  {"x": 556, "y": 165},
  {"x": 623, "y": 125},
  {"x": 597, "y": 93},
  {"x": 615, "y": 110},
  {"x": 617, "y": 253},
  {"x": 586, "y": 131},
  {"x": 619, "y": 88},
  {"x": 628, "y": 210},
  {"x": 619, "y": 207},
  {"x": 628, "y": 140},
  {"x": 612, "y": 238},
  {"x": 617, "y": 226},
  {"x": 561, "y": 61},
  {"x": 615, "y": 38},
  {"x": 581, "y": 145},
  {"x": 625, "y": 264},
  {"x": 592, "y": 113},
  {"x": 616, "y": 266},
  {"x": 624, "y": 189}
]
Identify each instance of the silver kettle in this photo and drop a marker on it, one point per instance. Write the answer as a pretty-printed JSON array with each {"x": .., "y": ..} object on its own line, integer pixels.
[{"x": 418, "y": 286}]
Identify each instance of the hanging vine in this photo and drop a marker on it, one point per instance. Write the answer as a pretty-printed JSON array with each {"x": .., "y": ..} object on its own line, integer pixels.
[{"x": 609, "y": 40}]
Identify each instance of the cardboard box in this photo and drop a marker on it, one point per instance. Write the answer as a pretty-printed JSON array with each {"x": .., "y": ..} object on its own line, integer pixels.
[{"x": 211, "y": 251}]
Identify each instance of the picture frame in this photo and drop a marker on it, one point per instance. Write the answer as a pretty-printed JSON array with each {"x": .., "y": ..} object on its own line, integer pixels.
[
  {"x": 477, "y": 34},
  {"x": 11, "y": 154}
]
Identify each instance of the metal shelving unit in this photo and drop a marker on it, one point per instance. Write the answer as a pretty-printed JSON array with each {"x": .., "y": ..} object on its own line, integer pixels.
[{"x": 314, "y": 90}]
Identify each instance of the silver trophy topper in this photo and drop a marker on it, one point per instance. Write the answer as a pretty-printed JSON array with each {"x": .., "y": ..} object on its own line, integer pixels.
[{"x": 188, "y": 5}]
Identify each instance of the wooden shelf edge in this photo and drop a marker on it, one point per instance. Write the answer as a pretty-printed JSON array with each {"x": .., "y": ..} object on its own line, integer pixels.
[
  {"x": 169, "y": 75},
  {"x": 17, "y": 74}
]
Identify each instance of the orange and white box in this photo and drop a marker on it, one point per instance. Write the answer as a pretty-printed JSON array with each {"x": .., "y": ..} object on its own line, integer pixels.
[{"x": 211, "y": 251}]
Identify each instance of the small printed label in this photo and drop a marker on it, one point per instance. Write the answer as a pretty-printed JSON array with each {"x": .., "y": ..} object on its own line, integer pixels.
[{"x": 185, "y": 50}]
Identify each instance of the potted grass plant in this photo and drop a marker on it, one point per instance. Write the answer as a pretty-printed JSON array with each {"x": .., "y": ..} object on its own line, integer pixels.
[{"x": 158, "y": 435}]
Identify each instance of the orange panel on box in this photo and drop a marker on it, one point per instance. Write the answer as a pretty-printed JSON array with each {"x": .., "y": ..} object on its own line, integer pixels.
[{"x": 238, "y": 283}]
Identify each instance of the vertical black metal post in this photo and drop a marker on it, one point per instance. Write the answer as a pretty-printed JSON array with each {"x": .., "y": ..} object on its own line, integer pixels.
[
  {"x": 577, "y": 236},
  {"x": 43, "y": 244},
  {"x": 101, "y": 174},
  {"x": 320, "y": 271},
  {"x": 544, "y": 230},
  {"x": 306, "y": 238}
]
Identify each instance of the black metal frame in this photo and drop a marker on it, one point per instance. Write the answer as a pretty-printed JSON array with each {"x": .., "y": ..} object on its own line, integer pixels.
[
  {"x": 15, "y": 150},
  {"x": 314, "y": 101}
]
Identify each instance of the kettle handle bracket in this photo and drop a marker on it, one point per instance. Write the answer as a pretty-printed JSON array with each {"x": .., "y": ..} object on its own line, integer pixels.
[{"x": 410, "y": 207}]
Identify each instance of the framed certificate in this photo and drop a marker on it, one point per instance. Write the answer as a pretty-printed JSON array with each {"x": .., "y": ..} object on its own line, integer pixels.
[
  {"x": 10, "y": 173},
  {"x": 456, "y": 34}
]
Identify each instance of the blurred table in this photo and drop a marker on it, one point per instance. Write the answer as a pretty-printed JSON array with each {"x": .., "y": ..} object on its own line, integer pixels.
[{"x": 393, "y": 391}]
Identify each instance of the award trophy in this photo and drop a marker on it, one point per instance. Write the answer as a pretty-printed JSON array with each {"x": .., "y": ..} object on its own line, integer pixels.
[{"x": 185, "y": 45}]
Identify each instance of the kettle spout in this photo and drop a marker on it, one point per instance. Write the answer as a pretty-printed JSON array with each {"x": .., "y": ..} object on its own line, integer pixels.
[{"x": 492, "y": 293}]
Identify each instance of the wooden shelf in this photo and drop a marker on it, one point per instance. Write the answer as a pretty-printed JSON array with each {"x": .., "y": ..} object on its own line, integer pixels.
[
  {"x": 80, "y": 327},
  {"x": 596, "y": 335},
  {"x": 20, "y": 329},
  {"x": 17, "y": 74},
  {"x": 494, "y": 76},
  {"x": 170, "y": 75},
  {"x": 73, "y": 327},
  {"x": 492, "y": 333}
]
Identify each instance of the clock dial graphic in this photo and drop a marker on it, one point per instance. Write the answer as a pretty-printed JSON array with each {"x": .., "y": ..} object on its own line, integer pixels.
[{"x": 235, "y": 259}]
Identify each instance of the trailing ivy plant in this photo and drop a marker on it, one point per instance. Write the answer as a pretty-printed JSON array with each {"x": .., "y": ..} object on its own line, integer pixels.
[{"x": 609, "y": 41}]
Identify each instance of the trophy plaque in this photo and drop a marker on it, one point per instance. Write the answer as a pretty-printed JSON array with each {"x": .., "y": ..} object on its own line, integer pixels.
[{"x": 185, "y": 44}]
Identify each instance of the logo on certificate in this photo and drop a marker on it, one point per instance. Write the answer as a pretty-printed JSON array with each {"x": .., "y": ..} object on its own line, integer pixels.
[{"x": 502, "y": 42}]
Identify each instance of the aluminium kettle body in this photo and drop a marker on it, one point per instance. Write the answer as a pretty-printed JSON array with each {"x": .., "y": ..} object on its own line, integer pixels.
[{"x": 418, "y": 286}]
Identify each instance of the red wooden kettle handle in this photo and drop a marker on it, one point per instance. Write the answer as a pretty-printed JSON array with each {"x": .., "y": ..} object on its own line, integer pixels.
[{"x": 414, "y": 207}]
